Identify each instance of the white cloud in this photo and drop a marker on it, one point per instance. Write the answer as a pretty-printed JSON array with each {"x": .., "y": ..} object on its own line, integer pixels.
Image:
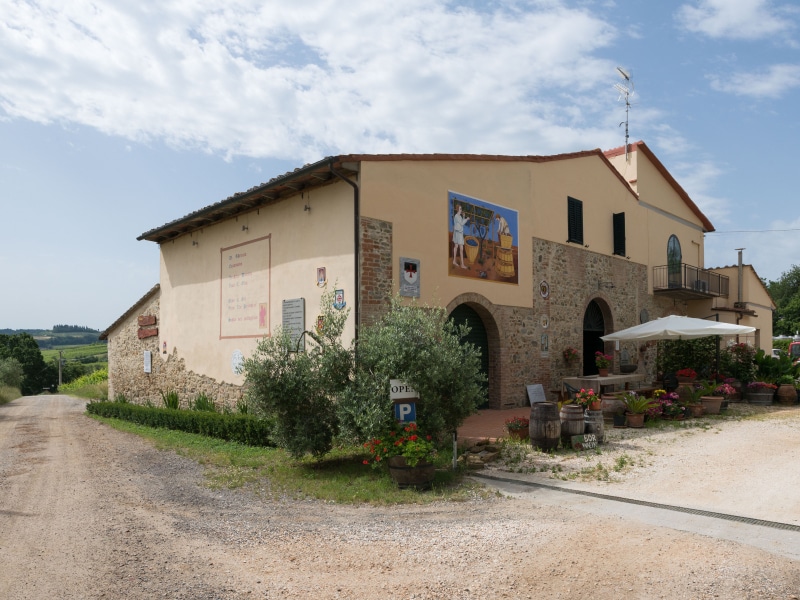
[
  {"x": 735, "y": 19},
  {"x": 772, "y": 82},
  {"x": 245, "y": 78}
]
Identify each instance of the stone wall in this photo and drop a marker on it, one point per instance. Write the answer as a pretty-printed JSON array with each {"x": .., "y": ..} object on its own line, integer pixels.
[
  {"x": 575, "y": 277},
  {"x": 126, "y": 374},
  {"x": 376, "y": 269}
]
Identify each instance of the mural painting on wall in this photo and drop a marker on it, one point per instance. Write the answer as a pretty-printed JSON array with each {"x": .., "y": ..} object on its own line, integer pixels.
[
  {"x": 244, "y": 289},
  {"x": 482, "y": 240}
]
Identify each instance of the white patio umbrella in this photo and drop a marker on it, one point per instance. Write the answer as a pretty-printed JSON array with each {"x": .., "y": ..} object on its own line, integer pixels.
[{"x": 675, "y": 327}]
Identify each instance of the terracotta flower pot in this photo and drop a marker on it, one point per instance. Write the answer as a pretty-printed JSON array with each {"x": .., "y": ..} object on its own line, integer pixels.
[
  {"x": 635, "y": 420},
  {"x": 712, "y": 404},
  {"x": 603, "y": 372}
]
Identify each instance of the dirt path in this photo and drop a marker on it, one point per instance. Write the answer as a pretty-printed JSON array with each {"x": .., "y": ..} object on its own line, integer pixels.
[{"x": 89, "y": 512}]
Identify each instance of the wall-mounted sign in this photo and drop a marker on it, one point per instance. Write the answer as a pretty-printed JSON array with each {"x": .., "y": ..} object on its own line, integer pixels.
[
  {"x": 544, "y": 288},
  {"x": 338, "y": 300},
  {"x": 409, "y": 277},
  {"x": 148, "y": 362},
  {"x": 245, "y": 289},
  {"x": 237, "y": 360},
  {"x": 294, "y": 322},
  {"x": 322, "y": 277}
]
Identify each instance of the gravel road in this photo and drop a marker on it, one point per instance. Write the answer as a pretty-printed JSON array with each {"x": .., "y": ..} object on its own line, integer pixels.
[{"x": 90, "y": 512}]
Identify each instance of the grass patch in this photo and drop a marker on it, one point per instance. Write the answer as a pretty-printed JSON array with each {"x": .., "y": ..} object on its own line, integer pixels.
[
  {"x": 8, "y": 393},
  {"x": 272, "y": 473}
]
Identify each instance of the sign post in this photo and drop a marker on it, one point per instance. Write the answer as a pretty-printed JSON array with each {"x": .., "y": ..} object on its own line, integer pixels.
[{"x": 405, "y": 401}]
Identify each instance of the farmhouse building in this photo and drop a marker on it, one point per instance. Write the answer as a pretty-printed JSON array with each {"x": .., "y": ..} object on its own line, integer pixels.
[{"x": 537, "y": 253}]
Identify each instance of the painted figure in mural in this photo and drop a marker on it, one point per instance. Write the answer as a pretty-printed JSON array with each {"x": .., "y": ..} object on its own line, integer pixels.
[
  {"x": 459, "y": 220},
  {"x": 502, "y": 226}
]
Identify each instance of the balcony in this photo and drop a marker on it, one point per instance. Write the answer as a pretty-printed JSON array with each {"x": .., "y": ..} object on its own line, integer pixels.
[{"x": 688, "y": 283}]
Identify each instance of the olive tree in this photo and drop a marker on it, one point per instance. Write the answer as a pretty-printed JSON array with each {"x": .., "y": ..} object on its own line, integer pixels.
[
  {"x": 298, "y": 389},
  {"x": 421, "y": 346}
]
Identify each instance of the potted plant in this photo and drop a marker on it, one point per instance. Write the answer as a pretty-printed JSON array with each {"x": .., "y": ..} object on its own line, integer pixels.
[
  {"x": 603, "y": 362},
  {"x": 408, "y": 453},
  {"x": 760, "y": 392},
  {"x": 686, "y": 375},
  {"x": 518, "y": 427},
  {"x": 635, "y": 406},
  {"x": 570, "y": 354},
  {"x": 727, "y": 391},
  {"x": 696, "y": 405},
  {"x": 587, "y": 399},
  {"x": 671, "y": 408}
]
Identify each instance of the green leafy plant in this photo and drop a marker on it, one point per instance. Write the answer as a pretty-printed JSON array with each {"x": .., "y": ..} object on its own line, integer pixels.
[
  {"x": 634, "y": 403},
  {"x": 203, "y": 403},
  {"x": 702, "y": 388},
  {"x": 404, "y": 440},
  {"x": 171, "y": 400}
]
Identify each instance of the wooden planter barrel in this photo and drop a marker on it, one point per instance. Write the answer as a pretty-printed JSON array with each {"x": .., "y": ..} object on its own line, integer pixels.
[
  {"x": 593, "y": 423},
  {"x": 545, "y": 426},
  {"x": 760, "y": 398},
  {"x": 419, "y": 477}
]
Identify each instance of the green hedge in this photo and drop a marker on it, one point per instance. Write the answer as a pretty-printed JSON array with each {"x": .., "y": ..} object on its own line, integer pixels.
[{"x": 244, "y": 429}]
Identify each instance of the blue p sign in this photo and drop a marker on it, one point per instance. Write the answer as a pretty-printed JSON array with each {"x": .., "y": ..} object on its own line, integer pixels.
[{"x": 405, "y": 412}]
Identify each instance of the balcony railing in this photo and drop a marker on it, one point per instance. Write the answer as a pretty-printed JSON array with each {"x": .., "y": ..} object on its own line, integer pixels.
[{"x": 688, "y": 282}]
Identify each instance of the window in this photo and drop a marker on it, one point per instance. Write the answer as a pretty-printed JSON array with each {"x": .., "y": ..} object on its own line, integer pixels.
[
  {"x": 674, "y": 260},
  {"x": 574, "y": 221},
  {"x": 619, "y": 234}
]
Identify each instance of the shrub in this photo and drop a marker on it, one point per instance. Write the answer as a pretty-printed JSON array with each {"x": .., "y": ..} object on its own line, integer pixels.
[
  {"x": 422, "y": 347},
  {"x": 244, "y": 429},
  {"x": 299, "y": 389}
]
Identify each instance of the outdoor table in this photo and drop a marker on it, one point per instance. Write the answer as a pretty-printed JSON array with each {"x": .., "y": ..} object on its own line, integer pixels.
[{"x": 597, "y": 383}]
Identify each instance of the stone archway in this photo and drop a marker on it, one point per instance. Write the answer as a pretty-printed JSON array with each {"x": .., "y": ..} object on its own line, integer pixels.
[{"x": 479, "y": 315}]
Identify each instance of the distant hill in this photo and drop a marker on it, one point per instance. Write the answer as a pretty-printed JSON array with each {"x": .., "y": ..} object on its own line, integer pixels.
[{"x": 60, "y": 335}]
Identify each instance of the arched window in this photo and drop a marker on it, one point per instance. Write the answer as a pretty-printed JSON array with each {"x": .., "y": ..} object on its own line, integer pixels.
[{"x": 674, "y": 260}]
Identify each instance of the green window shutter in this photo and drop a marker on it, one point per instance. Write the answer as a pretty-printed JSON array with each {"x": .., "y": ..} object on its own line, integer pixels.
[
  {"x": 574, "y": 221},
  {"x": 619, "y": 234}
]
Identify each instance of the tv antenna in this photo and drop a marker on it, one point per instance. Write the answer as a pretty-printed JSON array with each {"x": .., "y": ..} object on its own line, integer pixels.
[{"x": 625, "y": 91}]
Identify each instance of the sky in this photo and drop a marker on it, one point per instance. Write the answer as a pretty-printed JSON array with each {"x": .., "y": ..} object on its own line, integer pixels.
[{"x": 117, "y": 117}]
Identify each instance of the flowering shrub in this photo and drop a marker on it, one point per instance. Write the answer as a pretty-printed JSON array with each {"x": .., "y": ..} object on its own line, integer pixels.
[
  {"x": 668, "y": 403},
  {"x": 761, "y": 386},
  {"x": 586, "y": 397},
  {"x": 403, "y": 440},
  {"x": 517, "y": 423},
  {"x": 688, "y": 373},
  {"x": 570, "y": 354},
  {"x": 725, "y": 389},
  {"x": 602, "y": 360}
]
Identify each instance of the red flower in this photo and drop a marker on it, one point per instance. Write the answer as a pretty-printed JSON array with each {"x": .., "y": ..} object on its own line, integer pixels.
[{"x": 413, "y": 438}]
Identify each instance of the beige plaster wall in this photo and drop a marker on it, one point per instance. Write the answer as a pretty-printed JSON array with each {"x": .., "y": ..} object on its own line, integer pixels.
[{"x": 300, "y": 241}]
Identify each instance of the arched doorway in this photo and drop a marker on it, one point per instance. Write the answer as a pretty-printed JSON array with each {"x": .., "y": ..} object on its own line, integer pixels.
[
  {"x": 594, "y": 325},
  {"x": 477, "y": 336}
]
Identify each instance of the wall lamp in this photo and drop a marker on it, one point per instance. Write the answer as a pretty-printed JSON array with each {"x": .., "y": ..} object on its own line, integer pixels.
[
  {"x": 195, "y": 243},
  {"x": 245, "y": 228}
]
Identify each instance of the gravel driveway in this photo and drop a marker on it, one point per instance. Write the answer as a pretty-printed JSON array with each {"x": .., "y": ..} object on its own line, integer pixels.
[{"x": 90, "y": 512}]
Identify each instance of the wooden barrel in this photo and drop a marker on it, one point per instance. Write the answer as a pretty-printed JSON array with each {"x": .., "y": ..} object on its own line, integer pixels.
[
  {"x": 593, "y": 423},
  {"x": 545, "y": 426},
  {"x": 571, "y": 417},
  {"x": 418, "y": 477}
]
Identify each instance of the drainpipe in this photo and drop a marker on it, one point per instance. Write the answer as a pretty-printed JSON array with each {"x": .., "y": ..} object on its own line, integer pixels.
[
  {"x": 356, "y": 240},
  {"x": 740, "y": 287}
]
